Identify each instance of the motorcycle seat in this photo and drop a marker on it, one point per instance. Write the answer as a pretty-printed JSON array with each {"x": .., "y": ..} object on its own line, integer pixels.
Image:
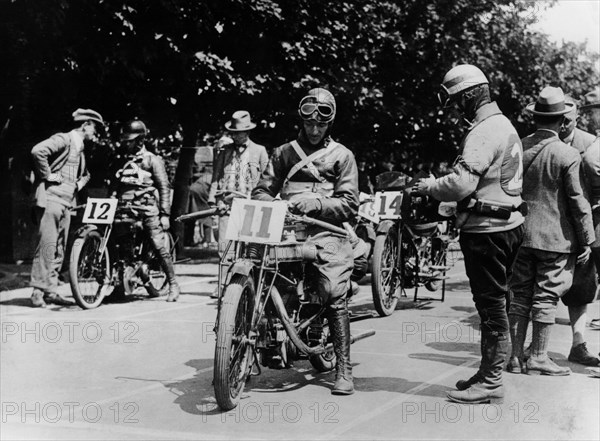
[{"x": 424, "y": 229}]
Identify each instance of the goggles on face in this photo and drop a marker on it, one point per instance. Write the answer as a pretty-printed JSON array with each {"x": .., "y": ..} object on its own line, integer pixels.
[
  {"x": 309, "y": 109},
  {"x": 444, "y": 97}
]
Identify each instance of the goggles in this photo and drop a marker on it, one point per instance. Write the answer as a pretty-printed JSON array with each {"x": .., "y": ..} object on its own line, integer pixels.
[
  {"x": 322, "y": 112},
  {"x": 444, "y": 97}
]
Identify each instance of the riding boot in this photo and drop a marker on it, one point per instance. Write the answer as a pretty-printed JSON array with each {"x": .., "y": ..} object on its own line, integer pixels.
[
  {"x": 339, "y": 326},
  {"x": 465, "y": 384},
  {"x": 488, "y": 389},
  {"x": 167, "y": 266},
  {"x": 518, "y": 332}
]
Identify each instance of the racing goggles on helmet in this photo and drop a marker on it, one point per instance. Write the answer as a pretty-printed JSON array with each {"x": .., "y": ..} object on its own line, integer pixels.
[{"x": 322, "y": 112}]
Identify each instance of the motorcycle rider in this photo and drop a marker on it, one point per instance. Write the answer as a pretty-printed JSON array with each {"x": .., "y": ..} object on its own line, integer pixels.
[
  {"x": 319, "y": 178},
  {"x": 144, "y": 170},
  {"x": 487, "y": 183}
]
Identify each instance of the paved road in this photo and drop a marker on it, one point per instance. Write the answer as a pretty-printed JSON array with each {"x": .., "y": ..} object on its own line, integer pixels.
[{"x": 143, "y": 370}]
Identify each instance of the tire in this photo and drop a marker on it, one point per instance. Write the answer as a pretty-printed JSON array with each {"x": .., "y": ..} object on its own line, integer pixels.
[
  {"x": 385, "y": 280},
  {"x": 89, "y": 273},
  {"x": 233, "y": 353},
  {"x": 159, "y": 285}
]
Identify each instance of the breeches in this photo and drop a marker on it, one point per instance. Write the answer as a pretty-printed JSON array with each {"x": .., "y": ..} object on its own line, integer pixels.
[
  {"x": 540, "y": 279},
  {"x": 489, "y": 260}
]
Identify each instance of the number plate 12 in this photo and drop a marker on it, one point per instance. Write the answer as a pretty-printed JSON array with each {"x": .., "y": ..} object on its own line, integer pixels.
[
  {"x": 100, "y": 211},
  {"x": 389, "y": 204},
  {"x": 256, "y": 221}
]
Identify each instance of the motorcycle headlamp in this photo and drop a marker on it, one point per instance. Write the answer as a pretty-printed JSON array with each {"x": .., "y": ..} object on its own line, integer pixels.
[{"x": 312, "y": 109}]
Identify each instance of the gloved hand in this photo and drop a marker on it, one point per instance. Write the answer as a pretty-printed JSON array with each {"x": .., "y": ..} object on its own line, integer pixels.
[
  {"x": 164, "y": 221},
  {"x": 54, "y": 177},
  {"x": 421, "y": 187},
  {"x": 309, "y": 207}
]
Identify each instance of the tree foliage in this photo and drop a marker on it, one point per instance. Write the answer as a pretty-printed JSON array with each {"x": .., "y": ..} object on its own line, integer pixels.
[{"x": 194, "y": 62}]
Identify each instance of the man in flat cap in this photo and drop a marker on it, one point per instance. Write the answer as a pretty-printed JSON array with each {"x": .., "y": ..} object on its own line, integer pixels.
[
  {"x": 59, "y": 165},
  {"x": 236, "y": 168}
]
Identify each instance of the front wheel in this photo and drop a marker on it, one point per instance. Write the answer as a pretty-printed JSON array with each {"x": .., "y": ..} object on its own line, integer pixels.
[
  {"x": 89, "y": 270},
  {"x": 233, "y": 352},
  {"x": 385, "y": 277}
]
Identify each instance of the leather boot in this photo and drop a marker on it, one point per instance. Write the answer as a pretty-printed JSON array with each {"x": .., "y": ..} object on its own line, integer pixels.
[
  {"x": 167, "y": 266},
  {"x": 489, "y": 389},
  {"x": 539, "y": 362},
  {"x": 465, "y": 384},
  {"x": 518, "y": 333},
  {"x": 339, "y": 326}
]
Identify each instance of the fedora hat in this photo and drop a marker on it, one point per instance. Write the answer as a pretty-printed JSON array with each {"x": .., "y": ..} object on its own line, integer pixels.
[
  {"x": 591, "y": 99},
  {"x": 240, "y": 122},
  {"x": 551, "y": 102},
  {"x": 87, "y": 115}
]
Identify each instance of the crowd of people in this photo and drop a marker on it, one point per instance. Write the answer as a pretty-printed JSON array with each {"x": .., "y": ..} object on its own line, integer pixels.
[{"x": 527, "y": 209}]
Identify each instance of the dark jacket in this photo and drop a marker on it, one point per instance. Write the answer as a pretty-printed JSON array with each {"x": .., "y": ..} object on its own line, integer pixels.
[
  {"x": 337, "y": 167},
  {"x": 145, "y": 170}
]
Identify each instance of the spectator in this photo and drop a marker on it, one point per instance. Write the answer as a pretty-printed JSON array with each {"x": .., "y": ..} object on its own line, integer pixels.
[
  {"x": 61, "y": 172},
  {"x": 591, "y": 161},
  {"x": 558, "y": 232},
  {"x": 583, "y": 290},
  {"x": 237, "y": 168}
]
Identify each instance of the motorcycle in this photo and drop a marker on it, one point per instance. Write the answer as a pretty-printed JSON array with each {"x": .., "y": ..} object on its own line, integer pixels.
[
  {"x": 411, "y": 245},
  {"x": 269, "y": 314},
  {"x": 112, "y": 254}
]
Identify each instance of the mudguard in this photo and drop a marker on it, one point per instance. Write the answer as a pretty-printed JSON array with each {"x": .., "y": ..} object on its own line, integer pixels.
[
  {"x": 384, "y": 226},
  {"x": 241, "y": 267},
  {"x": 84, "y": 229}
]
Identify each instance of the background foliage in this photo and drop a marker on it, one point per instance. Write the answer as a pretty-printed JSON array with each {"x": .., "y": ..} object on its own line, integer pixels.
[{"x": 188, "y": 64}]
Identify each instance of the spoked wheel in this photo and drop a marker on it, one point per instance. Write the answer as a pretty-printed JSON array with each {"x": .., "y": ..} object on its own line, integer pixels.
[
  {"x": 89, "y": 270},
  {"x": 385, "y": 279},
  {"x": 233, "y": 352},
  {"x": 159, "y": 285}
]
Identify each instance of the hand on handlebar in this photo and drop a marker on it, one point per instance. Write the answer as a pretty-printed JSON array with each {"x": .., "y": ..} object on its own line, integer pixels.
[{"x": 309, "y": 207}]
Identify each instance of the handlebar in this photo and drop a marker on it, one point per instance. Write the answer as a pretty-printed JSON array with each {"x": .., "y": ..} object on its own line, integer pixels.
[
  {"x": 197, "y": 215},
  {"x": 317, "y": 223}
]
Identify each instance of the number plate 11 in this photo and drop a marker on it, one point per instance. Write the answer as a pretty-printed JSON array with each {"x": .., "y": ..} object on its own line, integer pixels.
[
  {"x": 100, "y": 211},
  {"x": 256, "y": 221}
]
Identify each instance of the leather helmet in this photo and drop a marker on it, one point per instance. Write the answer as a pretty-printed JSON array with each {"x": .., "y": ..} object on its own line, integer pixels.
[
  {"x": 318, "y": 104},
  {"x": 133, "y": 129},
  {"x": 459, "y": 79}
]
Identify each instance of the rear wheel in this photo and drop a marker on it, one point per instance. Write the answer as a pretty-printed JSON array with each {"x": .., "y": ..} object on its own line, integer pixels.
[
  {"x": 89, "y": 270},
  {"x": 233, "y": 351},
  {"x": 385, "y": 279}
]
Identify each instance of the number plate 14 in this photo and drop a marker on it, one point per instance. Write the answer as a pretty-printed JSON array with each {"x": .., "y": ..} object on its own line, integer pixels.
[
  {"x": 389, "y": 204},
  {"x": 100, "y": 211},
  {"x": 256, "y": 221}
]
